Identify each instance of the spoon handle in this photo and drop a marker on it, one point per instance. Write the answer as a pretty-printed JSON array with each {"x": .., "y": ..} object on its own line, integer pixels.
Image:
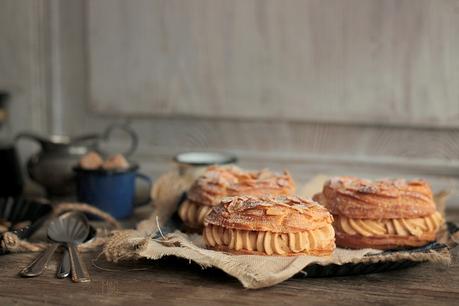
[
  {"x": 64, "y": 268},
  {"x": 79, "y": 272},
  {"x": 39, "y": 264}
]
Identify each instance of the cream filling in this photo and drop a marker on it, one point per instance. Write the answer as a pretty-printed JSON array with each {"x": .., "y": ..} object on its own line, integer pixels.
[
  {"x": 269, "y": 242},
  {"x": 400, "y": 227},
  {"x": 193, "y": 214}
]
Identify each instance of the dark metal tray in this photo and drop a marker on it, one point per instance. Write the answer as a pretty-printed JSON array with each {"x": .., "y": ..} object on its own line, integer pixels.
[
  {"x": 317, "y": 270},
  {"x": 16, "y": 210}
]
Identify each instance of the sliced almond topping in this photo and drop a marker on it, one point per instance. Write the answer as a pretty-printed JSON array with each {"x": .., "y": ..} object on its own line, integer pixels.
[{"x": 274, "y": 211}]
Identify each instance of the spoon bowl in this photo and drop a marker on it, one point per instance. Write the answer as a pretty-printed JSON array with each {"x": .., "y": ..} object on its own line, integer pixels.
[{"x": 69, "y": 227}]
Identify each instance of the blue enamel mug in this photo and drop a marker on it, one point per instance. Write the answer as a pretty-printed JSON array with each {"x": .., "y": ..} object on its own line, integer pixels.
[{"x": 112, "y": 191}]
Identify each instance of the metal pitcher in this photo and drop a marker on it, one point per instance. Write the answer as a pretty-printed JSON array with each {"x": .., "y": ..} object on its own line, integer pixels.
[{"x": 51, "y": 167}]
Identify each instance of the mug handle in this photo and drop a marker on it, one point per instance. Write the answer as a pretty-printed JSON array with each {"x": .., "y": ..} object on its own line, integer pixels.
[
  {"x": 148, "y": 180},
  {"x": 126, "y": 128}
]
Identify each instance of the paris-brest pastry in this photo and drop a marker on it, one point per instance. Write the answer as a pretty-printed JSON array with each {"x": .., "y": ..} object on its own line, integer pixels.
[
  {"x": 381, "y": 214},
  {"x": 223, "y": 181},
  {"x": 270, "y": 225}
]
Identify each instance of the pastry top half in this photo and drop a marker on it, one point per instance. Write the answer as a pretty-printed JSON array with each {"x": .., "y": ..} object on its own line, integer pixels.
[
  {"x": 357, "y": 198},
  {"x": 281, "y": 214},
  {"x": 222, "y": 181}
]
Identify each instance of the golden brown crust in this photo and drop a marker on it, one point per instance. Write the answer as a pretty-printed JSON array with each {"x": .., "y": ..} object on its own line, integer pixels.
[
  {"x": 281, "y": 214},
  {"x": 364, "y": 199},
  {"x": 384, "y": 242},
  {"x": 223, "y": 181}
]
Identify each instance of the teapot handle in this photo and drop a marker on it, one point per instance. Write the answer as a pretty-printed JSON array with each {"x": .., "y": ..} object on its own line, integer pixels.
[
  {"x": 30, "y": 136},
  {"x": 126, "y": 128},
  {"x": 35, "y": 158},
  {"x": 31, "y": 163}
]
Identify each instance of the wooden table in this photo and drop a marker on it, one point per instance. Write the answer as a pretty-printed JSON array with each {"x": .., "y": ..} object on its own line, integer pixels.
[{"x": 175, "y": 282}]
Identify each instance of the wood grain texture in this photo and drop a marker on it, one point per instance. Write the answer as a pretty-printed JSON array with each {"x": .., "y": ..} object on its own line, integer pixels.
[
  {"x": 172, "y": 282},
  {"x": 358, "y": 61}
]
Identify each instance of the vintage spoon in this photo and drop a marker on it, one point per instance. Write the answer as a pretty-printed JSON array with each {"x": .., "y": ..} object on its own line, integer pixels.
[
  {"x": 36, "y": 267},
  {"x": 63, "y": 270},
  {"x": 40, "y": 262},
  {"x": 72, "y": 231}
]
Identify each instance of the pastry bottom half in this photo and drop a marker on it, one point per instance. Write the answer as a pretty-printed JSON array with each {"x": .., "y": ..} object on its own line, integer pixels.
[
  {"x": 382, "y": 242},
  {"x": 318, "y": 242},
  {"x": 386, "y": 233},
  {"x": 193, "y": 214}
]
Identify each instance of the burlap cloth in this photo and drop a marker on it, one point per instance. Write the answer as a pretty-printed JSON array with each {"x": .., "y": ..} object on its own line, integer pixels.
[
  {"x": 251, "y": 270},
  {"x": 11, "y": 243}
]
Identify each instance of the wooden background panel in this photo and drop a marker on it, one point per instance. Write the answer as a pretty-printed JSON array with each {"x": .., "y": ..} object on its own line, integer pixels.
[
  {"x": 423, "y": 146},
  {"x": 367, "y": 61},
  {"x": 303, "y": 148},
  {"x": 23, "y": 68}
]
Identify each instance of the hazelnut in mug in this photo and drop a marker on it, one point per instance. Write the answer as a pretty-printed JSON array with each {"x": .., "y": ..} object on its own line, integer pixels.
[{"x": 109, "y": 184}]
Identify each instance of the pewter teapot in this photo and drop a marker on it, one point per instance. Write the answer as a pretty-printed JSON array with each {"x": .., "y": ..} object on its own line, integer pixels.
[{"x": 51, "y": 167}]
